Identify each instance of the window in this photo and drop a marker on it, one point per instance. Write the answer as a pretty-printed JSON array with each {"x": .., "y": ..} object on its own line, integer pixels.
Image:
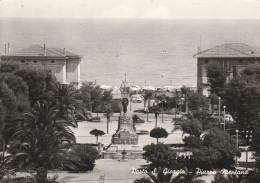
[
  {"x": 35, "y": 61},
  {"x": 22, "y": 61},
  {"x": 206, "y": 61},
  {"x": 240, "y": 61},
  {"x": 53, "y": 61}
]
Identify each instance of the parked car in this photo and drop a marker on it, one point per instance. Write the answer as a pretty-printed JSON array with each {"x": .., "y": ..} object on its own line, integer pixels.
[
  {"x": 136, "y": 98},
  {"x": 228, "y": 117}
]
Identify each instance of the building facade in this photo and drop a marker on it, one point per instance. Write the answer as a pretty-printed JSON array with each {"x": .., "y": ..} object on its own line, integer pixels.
[
  {"x": 65, "y": 66},
  {"x": 234, "y": 57}
]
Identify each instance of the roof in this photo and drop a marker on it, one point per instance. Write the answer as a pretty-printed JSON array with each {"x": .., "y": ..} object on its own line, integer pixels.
[
  {"x": 230, "y": 50},
  {"x": 39, "y": 51}
]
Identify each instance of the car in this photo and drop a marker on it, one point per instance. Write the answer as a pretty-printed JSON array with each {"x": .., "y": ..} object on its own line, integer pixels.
[
  {"x": 228, "y": 118},
  {"x": 136, "y": 99}
]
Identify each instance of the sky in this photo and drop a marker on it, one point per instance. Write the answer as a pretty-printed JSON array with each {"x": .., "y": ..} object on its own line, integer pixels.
[{"x": 149, "y": 9}]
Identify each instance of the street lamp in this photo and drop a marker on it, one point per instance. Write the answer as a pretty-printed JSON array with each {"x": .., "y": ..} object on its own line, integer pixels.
[
  {"x": 219, "y": 108},
  {"x": 237, "y": 145},
  {"x": 224, "y": 107}
]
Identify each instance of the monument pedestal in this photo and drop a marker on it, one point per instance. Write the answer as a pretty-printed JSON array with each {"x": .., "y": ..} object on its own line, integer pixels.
[
  {"x": 115, "y": 151},
  {"x": 125, "y": 139}
]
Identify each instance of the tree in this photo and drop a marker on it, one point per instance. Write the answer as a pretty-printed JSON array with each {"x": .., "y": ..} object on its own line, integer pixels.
[
  {"x": 256, "y": 142},
  {"x": 64, "y": 98},
  {"x": 158, "y": 133},
  {"x": 143, "y": 180},
  {"x": 147, "y": 97},
  {"x": 19, "y": 88},
  {"x": 82, "y": 157},
  {"x": 217, "y": 77},
  {"x": 220, "y": 178},
  {"x": 206, "y": 120},
  {"x": 39, "y": 82},
  {"x": 196, "y": 101},
  {"x": 97, "y": 133},
  {"x": 217, "y": 151},
  {"x": 8, "y": 113},
  {"x": 190, "y": 176},
  {"x": 43, "y": 139},
  {"x": 192, "y": 142},
  {"x": 108, "y": 113},
  {"x": 241, "y": 96},
  {"x": 8, "y": 67},
  {"x": 160, "y": 157},
  {"x": 91, "y": 95},
  {"x": 161, "y": 99},
  {"x": 156, "y": 110},
  {"x": 192, "y": 126}
]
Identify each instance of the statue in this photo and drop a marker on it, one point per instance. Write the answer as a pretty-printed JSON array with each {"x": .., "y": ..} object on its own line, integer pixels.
[{"x": 125, "y": 104}]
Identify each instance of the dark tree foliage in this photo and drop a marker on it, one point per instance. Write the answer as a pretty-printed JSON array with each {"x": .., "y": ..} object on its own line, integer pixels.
[
  {"x": 9, "y": 112},
  {"x": 64, "y": 97},
  {"x": 256, "y": 142},
  {"x": 192, "y": 126},
  {"x": 19, "y": 88},
  {"x": 91, "y": 95},
  {"x": 156, "y": 110},
  {"x": 42, "y": 135},
  {"x": 7, "y": 67},
  {"x": 143, "y": 180},
  {"x": 158, "y": 133},
  {"x": 148, "y": 95},
  {"x": 190, "y": 176},
  {"x": 221, "y": 178},
  {"x": 97, "y": 133},
  {"x": 192, "y": 141},
  {"x": 82, "y": 157},
  {"x": 217, "y": 151},
  {"x": 196, "y": 101},
  {"x": 217, "y": 77},
  {"x": 242, "y": 98},
  {"x": 39, "y": 82},
  {"x": 205, "y": 118},
  {"x": 160, "y": 157}
]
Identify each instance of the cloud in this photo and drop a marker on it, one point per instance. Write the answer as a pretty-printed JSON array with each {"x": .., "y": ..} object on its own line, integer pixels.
[
  {"x": 119, "y": 11},
  {"x": 158, "y": 11}
]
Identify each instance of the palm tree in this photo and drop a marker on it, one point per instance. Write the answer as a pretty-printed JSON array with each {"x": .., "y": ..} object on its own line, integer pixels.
[
  {"x": 64, "y": 97},
  {"x": 156, "y": 110},
  {"x": 44, "y": 139},
  {"x": 147, "y": 97},
  {"x": 187, "y": 177},
  {"x": 219, "y": 177},
  {"x": 108, "y": 113}
]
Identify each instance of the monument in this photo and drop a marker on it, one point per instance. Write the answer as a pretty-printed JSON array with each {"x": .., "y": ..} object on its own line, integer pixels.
[{"x": 125, "y": 140}]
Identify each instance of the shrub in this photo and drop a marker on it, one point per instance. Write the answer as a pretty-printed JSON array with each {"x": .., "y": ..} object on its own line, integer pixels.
[{"x": 82, "y": 157}]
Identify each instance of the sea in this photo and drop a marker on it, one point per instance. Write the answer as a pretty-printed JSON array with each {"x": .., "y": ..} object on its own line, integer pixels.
[{"x": 147, "y": 52}]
